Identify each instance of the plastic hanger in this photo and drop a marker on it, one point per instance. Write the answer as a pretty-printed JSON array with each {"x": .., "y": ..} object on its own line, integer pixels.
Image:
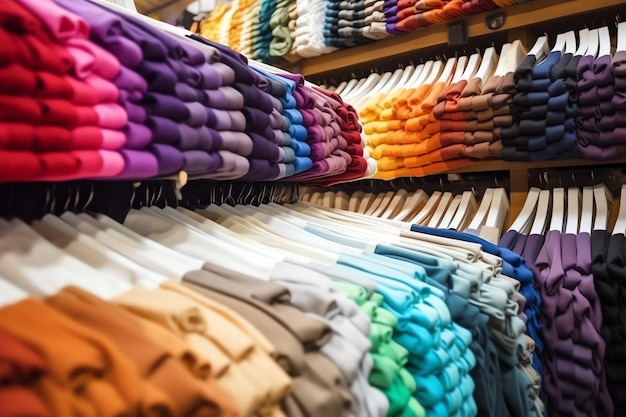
[
  {"x": 503, "y": 59},
  {"x": 439, "y": 212},
  {"x": 399, "y": 77},
  {"x": 426, "y": 211},
  {"x": 492, "y": 229},
  {"x": 389, "y": 232},
  {"x": 481, "y": 214},
  {"x": 450, "y": 212},
  {"x": 620, "y": 223},
  {"x": 167, "y": 229},
  {"x": 204, "y": 225},
  {"x": 472, "y": 66},
  {"x": 366, "y": 84},
  {"x": 558, "y": 209},
  {"x": 586, "y": 211},
  {"x": 306, "y": 195},
  {"x": 396, "y": 204},
  {"x": 570, "y": 42},
  {"x": 423, "y": 75},
  {"x": 255, "y": 229},
  {"x": 329, "y": 199},
  {"x": 384, "y": 204},
  {"x": 466, "y": 210},
  {"x": 559, "y": 44},
  {"x": 169, "y": 259},
  {"x": 514, "y": 57},
  {"x": 355, "y": 200},
  {"x": 461, "y": 63},
  {"x": 280, "y": 227},
  {"x": 527, "y": 214},
  {"x": 353, "y": 83},
  {"x": 573, "y": 211},
  {"x": 447, "y": 71},
  {"x": 435, "y": 72},
  {"x": 603, "y": 200},
  {"x": 541, "y": 216},
  {"x": 365, "y": 202},
  {"x": 406, "y": 75},
  {"x": 342, "y": 200},
  {"x": 316, "y": 197},
  {"x": 411, "y": 82},
  {"x": 387, "y": 78},
  {"x": 392, "y": 81},
  {"x": 412, "y": 204},
  {"x": 621, "y": 36},
  {"x": 604, "y": 37},
  {"x": 541, "y": 48},
  {"x": 342, "y": 85},
  {"x": 376, "y": 202},
  {"x": 594, "y": 43},
  {"x": 145, "y": 252},
  {"x": 583, "y": 44},
  {"x": 488, "y": 64}
]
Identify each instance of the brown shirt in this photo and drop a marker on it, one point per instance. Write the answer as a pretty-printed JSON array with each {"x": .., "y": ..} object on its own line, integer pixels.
[{"x": 318, "y": 387}]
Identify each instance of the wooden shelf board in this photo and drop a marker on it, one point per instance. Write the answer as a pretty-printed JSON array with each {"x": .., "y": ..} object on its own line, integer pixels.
[
  {"x": 517, "y": 16},
  {"x": 499, "y": 165}
]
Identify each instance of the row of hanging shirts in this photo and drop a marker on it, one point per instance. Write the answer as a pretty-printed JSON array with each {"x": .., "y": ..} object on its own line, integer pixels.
[
  {"x": 441, "y": 209},
  {"x": 437, "y": 116},
  {"x": 576, "y": 255},
  {"x": 421, "y": 347},
  {"x": 593, "y": 42},
  {"x": 588, "y": 209}
]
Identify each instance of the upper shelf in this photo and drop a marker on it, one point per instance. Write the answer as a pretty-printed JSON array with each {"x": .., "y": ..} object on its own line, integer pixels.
[
  {"x": 500, "y": 165},
  {"x": 517, "y": 17}
]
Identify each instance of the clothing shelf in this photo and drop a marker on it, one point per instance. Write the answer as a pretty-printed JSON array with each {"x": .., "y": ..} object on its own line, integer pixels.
[{"x": 518, "y": 17}]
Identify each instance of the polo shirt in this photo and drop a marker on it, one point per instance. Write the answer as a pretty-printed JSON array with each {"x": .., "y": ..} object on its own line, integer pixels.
[
  {"x": 291, "y": 330},
  {"x": 154, "y": 362},
  {"x": 513, "y": 266},
  {"x": 554, "y": 282},
  {"x": 232, "y": 359},
  {"x": 487, "y": 382},
  {"x": 430, "y": 397},
  {"x": 606, "y": 252},
  {"x": 108, "y": 391}
]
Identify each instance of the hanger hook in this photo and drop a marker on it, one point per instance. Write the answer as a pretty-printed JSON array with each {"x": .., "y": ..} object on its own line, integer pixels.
[{"x": 92, "y": 193}]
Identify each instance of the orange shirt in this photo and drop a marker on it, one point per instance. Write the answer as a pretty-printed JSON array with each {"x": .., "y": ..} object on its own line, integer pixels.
[
  {"x": 83, "y": 362},
  {"x": 451, "y": 10}
]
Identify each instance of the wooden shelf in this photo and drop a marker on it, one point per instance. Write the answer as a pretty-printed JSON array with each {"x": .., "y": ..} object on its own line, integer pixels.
[
  {"x": 499, "y": 165},
  {"x": 518, "y": 16}
]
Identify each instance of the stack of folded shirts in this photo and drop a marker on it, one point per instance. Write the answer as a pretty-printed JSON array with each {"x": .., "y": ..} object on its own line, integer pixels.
[
  {"x": 543, "y": 125},
  {"x": 280, "y": 91},
  {"x": 331, "y": 153},
  {"x": 406, "y": 139},
  {"x": 211, "y": 26},
  {"x": 408, "y": 15},
  {"x": 350, "y": 23},
  {"x": 260, "y": 48},
  {"x": 601, "y": 120},
  {"x": 118, "y": 97},
  {"x": 309, "y": 29},
  {"x": 348, "y": 120},
  {"x": 280, "y": 21},
  {"x": 59, "y": 115}
]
